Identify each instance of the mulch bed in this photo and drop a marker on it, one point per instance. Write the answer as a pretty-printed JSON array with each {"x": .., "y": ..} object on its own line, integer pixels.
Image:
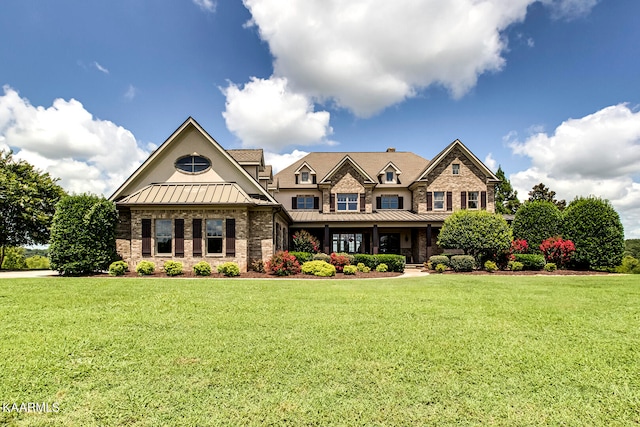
[
  {"x": 256, "y": 275},
  {"x": 531, "y": 273}
]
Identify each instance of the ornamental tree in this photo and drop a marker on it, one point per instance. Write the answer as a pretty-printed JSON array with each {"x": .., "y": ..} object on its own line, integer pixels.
[
  {"x": 595, "y": 228},
  {"x": 557, "y": 251},
  {"x": 27, "y": 203},
  {"x": 83, "y": 238},
  {"x": 478, "y": 233},
  {"x": 536, "y": 221},
  {"x": 303, "y": 241}
]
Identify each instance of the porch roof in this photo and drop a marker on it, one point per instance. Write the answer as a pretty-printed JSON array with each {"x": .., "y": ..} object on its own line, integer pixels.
[
  {"x": 382, "y": 216},
  {"x": 207, "y": 193}
]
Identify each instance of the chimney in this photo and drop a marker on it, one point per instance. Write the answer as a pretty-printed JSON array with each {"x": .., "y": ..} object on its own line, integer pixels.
[{"x": 391, "y": 150}]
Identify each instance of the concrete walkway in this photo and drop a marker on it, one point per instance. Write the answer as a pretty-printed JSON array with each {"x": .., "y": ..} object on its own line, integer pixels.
[{"x": 27, "y": 274}]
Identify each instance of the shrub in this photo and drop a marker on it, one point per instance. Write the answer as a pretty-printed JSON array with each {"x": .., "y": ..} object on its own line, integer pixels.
[
  {"x": 394, "y": 263},
  {"x": 203, "y": 268},
  {"x": 439, "y": 259},
  {"x": 363, "y": 268},
  {"x": 441, "y": 268},
  {"x": 478, "y": 233},
  {"x": 258, "y": 266},
  {"x": 321, "y": 257},
  {"x": 302, "y": 257},
  {"x": 318, "y": 268},
  {"x": 535, "y": 221},
  {"x": 550, "y": 266},
  {"x": 531, "y": 261},
  {"x": 83, "y": 238},
  {"x": 463, "y": 263},
  {"x": 37, "y": 262},
  {"x": 172, "y": 268},
  {"x": 557, "y": 251},
  {"x": 303, "y": 241},
  {"x": 366, "y": 259},
  {"x": 515, "y": 266},
  {"x": 145, "y": 268},
  {"x": 519, "y": 246},
  {"x": 596, "y": 231},
  {"x": 229, "y": 269},
  {"x": 283, "y": 264},
  {"x": 350, "y": 269},
  {"x": 13, "y": 258},
  {"x": 630, "y": 265},
  {"x": 118, "y": 268},
  {"x": 490, "y": 266},
  {"x": 339, "y": 260},
  {"x": 382, "y": 268}
]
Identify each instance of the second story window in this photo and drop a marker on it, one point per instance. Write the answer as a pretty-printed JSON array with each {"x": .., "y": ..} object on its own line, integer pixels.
[
  {"x": 455, "y": 168},
  {"x": 304, "y": 202},
  {"x": 472, "y": 201},
  {"x": 389, "y": 177},
  {"x": 438, "y": 200},
  {"x": 304, "y": 177},
  {"x": 347, "y": 202},
  {"x": 389, "y": 202}
]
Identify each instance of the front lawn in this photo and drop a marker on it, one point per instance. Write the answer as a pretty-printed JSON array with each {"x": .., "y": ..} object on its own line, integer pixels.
[{"x": 436, "y": 350}]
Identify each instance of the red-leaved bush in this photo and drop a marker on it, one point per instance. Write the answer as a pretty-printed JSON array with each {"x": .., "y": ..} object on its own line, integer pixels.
[
  {"x": 339, "y": 261},
  {"x": 283, "y": 264},
  {"x": 558, "y": 251},
  {"x": 519, "y": 246}
]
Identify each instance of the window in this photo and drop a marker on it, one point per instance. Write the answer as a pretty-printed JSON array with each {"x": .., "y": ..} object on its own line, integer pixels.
[
  {"x": 389, "y": 202},
  {"x": 455, "y": 168},
  {"x": 438, "y": 200},
  {"x": 193, "y": 164},
  {"x": 390, "y": 176},
  {"x": 390, "y": 243},
  {"x": 163, "y": 236},
  {"x": 304, "y": 176},
  {"x": 347, "y": 242},
  {"x": 214, "y": 236},
  {"x": 347, "y": 202},
  {"x": 472, "y": 202},
  {"x": 304, "y": 202}
]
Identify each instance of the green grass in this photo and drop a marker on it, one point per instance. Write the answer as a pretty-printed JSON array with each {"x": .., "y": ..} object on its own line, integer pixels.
[{"x": 439, "y": 350}]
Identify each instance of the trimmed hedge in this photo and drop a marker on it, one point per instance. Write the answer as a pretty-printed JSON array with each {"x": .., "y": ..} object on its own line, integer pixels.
[
  {"x": 118, "y": 268},
  {"x": 439, "y": 259},
  {"x": 145, "y": 268},
  {"x": 203, "y": 268},
  {"x": 463, "y": 263},
  {"x": 318, "y": 268},
  {"x": 531, "y": 261},
  {"x": 172, "y": 268},
  {"x": 536, "y": 221},
  {"x": 350, "y": 269},
  {"x": 229, "y": 269},
  {"x": 302, "y": 257}
]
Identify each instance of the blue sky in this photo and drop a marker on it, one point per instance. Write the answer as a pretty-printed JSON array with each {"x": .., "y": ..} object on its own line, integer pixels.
[{"x": 548, "y": 89}]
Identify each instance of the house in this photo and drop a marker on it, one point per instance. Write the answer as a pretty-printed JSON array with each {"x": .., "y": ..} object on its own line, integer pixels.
[{"x": 193, "y": 200}]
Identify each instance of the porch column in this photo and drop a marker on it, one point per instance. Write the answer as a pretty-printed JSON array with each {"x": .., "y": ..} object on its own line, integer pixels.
[
  {"x": 327, "y": 239},
  {"x": 376, "y": 239},
  {"x": 429, "y": 249}
]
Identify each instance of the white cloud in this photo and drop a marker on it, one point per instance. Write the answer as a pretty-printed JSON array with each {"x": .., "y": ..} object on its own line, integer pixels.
[
  {"x": 570, "y": 9},
  {"x": 266, "y": 114},
  {"x": 281, "y": 161},
  {"x": 594, "y": 155},
  {"x": 87, "y": 154},
  {"x": 100, "y": 67},
  {"x": 366, "y": 55},
  {"x": 206, "y": 5},
  {"x": 131, "y": 93},
  {"x": 490, "y": 162}
]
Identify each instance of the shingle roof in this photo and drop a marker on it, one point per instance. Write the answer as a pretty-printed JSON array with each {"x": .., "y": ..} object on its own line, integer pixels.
[
  {"x": 247, "y": 155},
  {"x": 410, "y": 164},
  {"x": 208, "y": 193}
]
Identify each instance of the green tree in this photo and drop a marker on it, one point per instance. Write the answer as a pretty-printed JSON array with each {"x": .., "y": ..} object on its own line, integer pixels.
[
  {"x": 506, "y": 198},
  {"x": 27, "y": 203},
  {"x": 478, "y": 233},
  {"x": 596, "y": 230},
  {"x": 83, "y": 238},
  {"x": 543, "y": 193},
  {"x": 536, "y": 221},
  {"x": 632, "y": 248}
]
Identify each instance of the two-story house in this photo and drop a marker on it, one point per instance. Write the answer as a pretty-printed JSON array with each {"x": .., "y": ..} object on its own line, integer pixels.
[{"x": 193, "y": 200}]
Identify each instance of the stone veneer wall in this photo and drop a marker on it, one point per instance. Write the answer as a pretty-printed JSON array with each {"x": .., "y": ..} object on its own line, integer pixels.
[
  {"x": 253, "y": 235},
  {"x": 123, "y": 234}
]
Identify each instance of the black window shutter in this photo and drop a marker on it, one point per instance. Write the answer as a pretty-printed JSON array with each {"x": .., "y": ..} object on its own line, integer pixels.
[
  {"x": 449, "y": 201},
  {"x": 332, "y": 203},
  {"x": 231, "y": 237},
  {"x": 483, "y": 200},
  {"x": 400, "y": 202},
  {"x": 197, "y": 237},
  {"x": 146, "y": 237},
  {"x": 362, "y": 202},
  {"x": 429, "y": 201},
  {"x": 296, "y": 179},
  {"x": 378, "y": 202},
  {"x": 179, "y": 225},
  {"x": 313, "y": 179},
  {"x": 316, "y": 202},
  {"x": 294, "y": 202},
  {"x": 463, "y": 200}
]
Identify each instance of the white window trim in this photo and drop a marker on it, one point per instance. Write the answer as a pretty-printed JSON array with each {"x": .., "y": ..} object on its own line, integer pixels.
[
  {"x": 347, "y": 202},
  {"x": 477, "y": 200},
  {"x": 444, "y": 195}
]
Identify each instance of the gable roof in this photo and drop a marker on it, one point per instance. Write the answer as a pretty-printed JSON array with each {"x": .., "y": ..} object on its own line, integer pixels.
[
  {"x": 127, "y": 187},
  {"x": 411, "y": 164},
  {"x": 247, "y": 156},
  {"x": 336, "y": 168},
  {"x": 458, "y": 144}
]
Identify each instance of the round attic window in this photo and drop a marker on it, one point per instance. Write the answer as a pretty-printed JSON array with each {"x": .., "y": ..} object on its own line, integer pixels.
[{"x": 193, "y": 164}]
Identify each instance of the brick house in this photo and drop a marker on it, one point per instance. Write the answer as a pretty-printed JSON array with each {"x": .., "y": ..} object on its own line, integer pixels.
[{"x": 193, "y": 200}]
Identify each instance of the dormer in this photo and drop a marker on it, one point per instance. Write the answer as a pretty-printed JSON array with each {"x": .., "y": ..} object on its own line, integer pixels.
[
  {"x": 390, "y": 174},
  {"x": 305, "y": 174}
]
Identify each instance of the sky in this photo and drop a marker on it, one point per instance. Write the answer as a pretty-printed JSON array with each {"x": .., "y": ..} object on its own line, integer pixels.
[{"x": 549, "y": 90}]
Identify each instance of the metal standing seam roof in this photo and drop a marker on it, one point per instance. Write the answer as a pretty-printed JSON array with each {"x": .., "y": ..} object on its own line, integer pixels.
[
  {"x": 207, "y": 193},
  {"x": 379, "y": 216}
]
